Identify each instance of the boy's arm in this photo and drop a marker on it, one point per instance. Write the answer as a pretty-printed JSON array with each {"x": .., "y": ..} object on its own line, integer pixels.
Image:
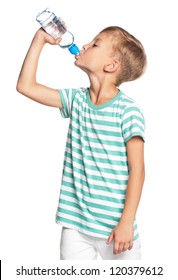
[
  {"x": 27, "y": 84},
  {"x": 122, "y": 235}
]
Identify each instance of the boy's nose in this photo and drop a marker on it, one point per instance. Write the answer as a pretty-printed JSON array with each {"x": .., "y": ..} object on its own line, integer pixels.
[{"x": 85, "y": 47}]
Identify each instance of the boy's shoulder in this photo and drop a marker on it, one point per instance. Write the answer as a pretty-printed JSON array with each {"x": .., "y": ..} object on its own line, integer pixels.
[
  {"x": 128, "y": 104},
  {"x": 73, "y": 93},
  {"x": 126, "y": 100},
  {"x": 79, "y": 91}
]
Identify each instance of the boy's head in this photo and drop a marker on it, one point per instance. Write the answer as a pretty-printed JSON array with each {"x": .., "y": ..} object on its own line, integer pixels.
[
  {"x": 113, "y": 51},
  {"x": 130, "y": 53}
]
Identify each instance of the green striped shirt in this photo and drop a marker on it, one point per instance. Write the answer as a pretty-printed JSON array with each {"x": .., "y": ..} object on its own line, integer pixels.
[{"x": 95, "y": 173}]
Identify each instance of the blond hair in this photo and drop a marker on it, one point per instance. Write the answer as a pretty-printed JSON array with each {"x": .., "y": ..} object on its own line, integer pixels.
[{"x": 131, "y": 54}]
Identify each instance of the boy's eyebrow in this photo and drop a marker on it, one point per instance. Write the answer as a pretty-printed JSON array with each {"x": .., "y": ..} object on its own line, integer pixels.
[{"x": 97, "y": 39}]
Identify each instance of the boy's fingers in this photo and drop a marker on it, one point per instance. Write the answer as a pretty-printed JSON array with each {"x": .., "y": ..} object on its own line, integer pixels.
[
  {"x": 121, "y": 247},
  {"x": 126, "y": 246},
  {"x": 116, "y": 247},
  {"x": 58, "y": 41},
  {"x": 130, "y": 245}
]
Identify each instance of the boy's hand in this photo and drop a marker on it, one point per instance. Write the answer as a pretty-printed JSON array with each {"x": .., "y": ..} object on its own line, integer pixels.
[
  {"x": 122, "y": 235},
  {"x": 41, "y": 34},
  {"x": 46, "y": 38}
]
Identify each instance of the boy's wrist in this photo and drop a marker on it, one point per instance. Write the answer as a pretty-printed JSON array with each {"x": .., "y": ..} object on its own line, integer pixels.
[
  {"x": 40, "y": 37},
  {"x": 128, "y": 221}
]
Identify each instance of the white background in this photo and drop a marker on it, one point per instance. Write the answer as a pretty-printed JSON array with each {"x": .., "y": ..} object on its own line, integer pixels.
[{"x": 33, "y": 136}]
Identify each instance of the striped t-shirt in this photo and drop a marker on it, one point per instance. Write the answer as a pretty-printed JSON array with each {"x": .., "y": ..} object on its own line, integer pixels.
[{"x": 95, "y": 173}]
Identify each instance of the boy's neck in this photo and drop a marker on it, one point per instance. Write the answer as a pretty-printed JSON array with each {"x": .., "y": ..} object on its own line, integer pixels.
[{"x": 99, "y": 95}]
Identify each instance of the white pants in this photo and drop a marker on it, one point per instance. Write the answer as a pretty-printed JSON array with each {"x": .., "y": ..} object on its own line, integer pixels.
[{"x": 78, "y": 246}]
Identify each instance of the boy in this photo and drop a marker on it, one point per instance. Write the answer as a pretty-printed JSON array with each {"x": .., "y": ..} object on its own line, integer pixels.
[{"x": 104, "y": 158}]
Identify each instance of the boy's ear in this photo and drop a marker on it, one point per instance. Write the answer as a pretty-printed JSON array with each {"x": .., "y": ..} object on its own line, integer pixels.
[{"x": 113, "y": 66}]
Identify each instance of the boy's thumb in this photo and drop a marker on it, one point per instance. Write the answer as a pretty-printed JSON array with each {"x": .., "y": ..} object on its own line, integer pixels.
[{"x": 110, "y": 238}]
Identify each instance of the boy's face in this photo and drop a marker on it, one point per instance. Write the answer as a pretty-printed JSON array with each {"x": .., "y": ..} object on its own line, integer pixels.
[{"x": 95, "y": 55}]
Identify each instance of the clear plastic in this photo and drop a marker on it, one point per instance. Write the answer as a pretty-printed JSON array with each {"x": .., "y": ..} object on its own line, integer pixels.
[{"x": 54, "y": 27}]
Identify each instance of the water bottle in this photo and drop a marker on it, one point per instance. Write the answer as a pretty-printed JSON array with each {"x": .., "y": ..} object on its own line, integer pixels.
[{"x": 54, "y": 27}]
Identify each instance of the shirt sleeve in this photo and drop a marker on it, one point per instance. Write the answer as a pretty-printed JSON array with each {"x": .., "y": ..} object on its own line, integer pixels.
[
  {"x": 133, "y": 123},
  {"x": 67, "y": 97}
]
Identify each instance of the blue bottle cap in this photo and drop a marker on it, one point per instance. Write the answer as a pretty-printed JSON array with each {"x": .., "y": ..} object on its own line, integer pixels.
[{"x": 73, "y": 49}]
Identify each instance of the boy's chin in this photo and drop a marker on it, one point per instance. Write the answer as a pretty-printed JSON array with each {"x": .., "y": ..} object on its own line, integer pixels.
[{"x": 77, "y": 64}]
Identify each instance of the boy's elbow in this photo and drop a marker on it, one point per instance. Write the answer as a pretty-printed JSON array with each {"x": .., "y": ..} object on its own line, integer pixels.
[
  {"x": 19, "y": 87},
  {"x": 22, "y": 88}
]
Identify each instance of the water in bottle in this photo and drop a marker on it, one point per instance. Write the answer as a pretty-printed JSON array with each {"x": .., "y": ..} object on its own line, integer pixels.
[{"x": 54, "y": 27}]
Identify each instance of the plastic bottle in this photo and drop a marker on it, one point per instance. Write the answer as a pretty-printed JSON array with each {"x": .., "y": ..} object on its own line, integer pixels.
[{"x": 54, "y": 27}]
